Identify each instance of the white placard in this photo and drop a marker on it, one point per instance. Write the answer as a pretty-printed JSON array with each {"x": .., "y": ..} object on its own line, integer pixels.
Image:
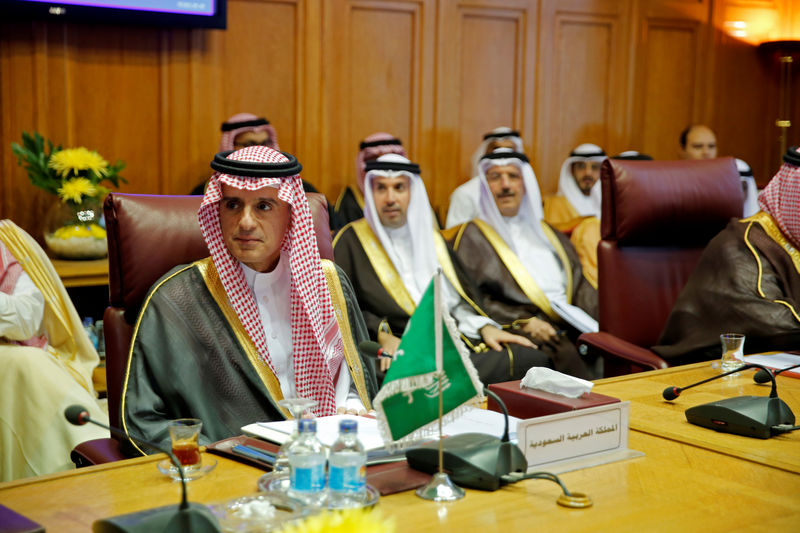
[{"x": 579, "y": 436}]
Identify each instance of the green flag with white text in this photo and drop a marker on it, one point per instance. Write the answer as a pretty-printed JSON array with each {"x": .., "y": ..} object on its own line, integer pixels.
[{"x": 408, "y": 403}]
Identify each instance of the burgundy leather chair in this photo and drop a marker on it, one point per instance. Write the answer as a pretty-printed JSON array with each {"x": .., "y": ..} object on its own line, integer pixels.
[
  {"x": 658, "y": 216},
  {"x": 147, "y": 236}
]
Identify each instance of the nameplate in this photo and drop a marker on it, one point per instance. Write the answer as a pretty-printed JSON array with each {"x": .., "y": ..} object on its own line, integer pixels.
[{"x": 584, "y": 437}]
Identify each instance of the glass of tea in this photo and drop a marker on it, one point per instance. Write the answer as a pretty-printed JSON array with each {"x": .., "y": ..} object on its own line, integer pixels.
[{"x": 185, "y": 434}]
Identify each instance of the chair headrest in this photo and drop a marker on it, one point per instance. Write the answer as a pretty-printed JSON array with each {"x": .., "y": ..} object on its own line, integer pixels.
[{"x": 657, "y": 203}]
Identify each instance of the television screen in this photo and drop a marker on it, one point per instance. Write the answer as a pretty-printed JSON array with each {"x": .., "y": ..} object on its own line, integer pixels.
[{"x": 188, "y": 13}]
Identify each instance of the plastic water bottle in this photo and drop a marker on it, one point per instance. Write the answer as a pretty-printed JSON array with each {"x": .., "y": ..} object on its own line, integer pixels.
[
  {"x": 88, "y": 325},
  {"x": 307, "y": 465},
  {"x": 347, "y": 477}
]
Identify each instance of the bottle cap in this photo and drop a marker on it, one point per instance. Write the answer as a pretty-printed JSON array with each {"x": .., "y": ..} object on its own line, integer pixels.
[
  {"x": 348, "y": 426},
  {"x": 307, "y": 425}
]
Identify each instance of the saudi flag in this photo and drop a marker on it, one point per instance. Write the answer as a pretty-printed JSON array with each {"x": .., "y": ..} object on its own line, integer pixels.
[{"x": 431, "y": 349}]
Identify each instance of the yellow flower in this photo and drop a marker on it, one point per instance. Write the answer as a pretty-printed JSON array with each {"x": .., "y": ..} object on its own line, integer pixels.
[
  {"x": 75, "y": 189},
  {"x": 76, "y": 160},
  {"x": 347, "y": 521},
  {"x": 97, "y": 232}
]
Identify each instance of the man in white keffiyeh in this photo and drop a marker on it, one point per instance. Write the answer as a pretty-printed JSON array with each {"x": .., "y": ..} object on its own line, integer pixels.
[
  {"x": 267, "y": 319},
  {"x": 575, "y": 210},
  {"x": 578, "y": 186},
  {"x": 391, "y": 255},
  {"x": 464, "y": 200},
  {"x": 529, "y": 272}
]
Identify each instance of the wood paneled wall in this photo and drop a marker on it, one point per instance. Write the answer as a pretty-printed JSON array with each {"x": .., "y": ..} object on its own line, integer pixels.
[{"x": 625, "y": 74}]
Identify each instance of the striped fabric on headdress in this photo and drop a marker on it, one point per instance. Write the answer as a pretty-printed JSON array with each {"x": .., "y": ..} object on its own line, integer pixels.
[
  {"x": 243, "y": 122},
  {"x": 781, "y": 197},
  {"x": 316, "y": 340},
  {"x": 373, "y": 147}
]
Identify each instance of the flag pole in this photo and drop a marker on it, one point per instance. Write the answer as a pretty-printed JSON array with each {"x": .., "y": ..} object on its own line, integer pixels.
[
  {"x": 440, "y": 488},
  {"x": 437, "y": 335}
]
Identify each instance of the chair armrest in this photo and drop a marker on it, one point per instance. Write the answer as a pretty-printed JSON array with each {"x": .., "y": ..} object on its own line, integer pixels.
[
  {"x": 96, "y": 452},
  {"x": 621, "y": 357}
]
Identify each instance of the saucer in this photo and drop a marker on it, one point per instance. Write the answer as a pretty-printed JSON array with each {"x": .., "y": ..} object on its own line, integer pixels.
[
  {"x": 279, "y": 482},
  {"x": 234, "y": 515},
  {"x": 168, "y": 469}
]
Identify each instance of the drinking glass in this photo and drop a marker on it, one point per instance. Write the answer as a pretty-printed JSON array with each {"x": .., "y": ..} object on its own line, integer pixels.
[
  {"x": 732, "y": 351},
  {"x": 184, "y": 434}
]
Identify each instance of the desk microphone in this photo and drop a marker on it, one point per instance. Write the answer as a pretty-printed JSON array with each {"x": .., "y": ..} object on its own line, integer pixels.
[
  {"x": 188, "y": 517},
  {"x": 374, "y": 349},
  {"x": 762, "y": 376},
  {"x": 750, "y": 416},
  {"x": 670, "y": 393}
]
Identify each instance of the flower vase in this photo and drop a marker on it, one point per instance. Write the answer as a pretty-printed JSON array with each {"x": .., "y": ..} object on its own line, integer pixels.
[{"x": 76, "y": 231}]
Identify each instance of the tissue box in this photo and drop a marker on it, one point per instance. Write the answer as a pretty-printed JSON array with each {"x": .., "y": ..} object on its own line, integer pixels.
[{"x": 529, "y": 403}]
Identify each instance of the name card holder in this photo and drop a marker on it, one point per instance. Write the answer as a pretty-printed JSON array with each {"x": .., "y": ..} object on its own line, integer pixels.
[{"x": 576, "y": 439}]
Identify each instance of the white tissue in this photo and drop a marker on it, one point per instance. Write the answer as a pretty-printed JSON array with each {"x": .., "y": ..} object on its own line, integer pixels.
[{"x": 552, "y": 381}]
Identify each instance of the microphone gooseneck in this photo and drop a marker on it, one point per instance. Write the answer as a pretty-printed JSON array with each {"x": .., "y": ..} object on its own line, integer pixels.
[
  {"x": 502, "y": 405},
  {"x": 79, "y": 416},
  {"x": 670, "y": 393},
  {"x": 762, "y": 376}
]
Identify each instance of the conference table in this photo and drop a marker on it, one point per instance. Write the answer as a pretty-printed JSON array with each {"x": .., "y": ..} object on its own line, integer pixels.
[{"x": 689, "y": 478}]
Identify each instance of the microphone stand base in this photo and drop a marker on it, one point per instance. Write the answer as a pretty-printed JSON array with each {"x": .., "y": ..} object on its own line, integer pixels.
[
  {"x": 749, "y": 416},
  {"x": 440, "y": 489},
  {"x": 196, "y": 518}
]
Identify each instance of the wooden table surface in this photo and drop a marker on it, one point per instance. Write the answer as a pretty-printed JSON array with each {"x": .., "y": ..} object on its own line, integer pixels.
[
  {"x": 650, "y": 413},
  {"x": 79, "y": 273},
  {"x": 677, "y": 486}
]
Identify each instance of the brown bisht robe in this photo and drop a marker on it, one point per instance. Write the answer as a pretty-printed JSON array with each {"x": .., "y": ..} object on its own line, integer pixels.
[
  {"x": 489, "y": 262},
  {"x": 388, "y": 300},
  {"x": 747, "y": 281}
]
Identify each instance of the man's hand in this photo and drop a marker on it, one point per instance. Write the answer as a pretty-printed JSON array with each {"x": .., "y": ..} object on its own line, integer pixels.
[
  {"x": 540, "y": 330},
  {"x": 389, "y": 343},
  {"x": 342, "y": 410},
  {"x": 493, "y": 336}
]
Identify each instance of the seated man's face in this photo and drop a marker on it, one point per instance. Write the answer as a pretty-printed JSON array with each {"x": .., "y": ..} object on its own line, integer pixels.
[
  {"x": 499, "y": 143},
  {"x": 505, "y": 182},
  {"x": 250, "y": 138},
  {"x": 701, "y": 143},
  {"x": 391, "y": 196},
  {"x": 586, "y": 174},
  {"x": 253, "y": 224}
]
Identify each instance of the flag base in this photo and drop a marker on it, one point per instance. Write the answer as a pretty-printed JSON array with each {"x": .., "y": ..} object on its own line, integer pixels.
[{"x": 440, "y": 489}]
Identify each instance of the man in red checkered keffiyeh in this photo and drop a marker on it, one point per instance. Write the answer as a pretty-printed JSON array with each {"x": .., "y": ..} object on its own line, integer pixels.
[
  {"x": 316, "y": 340},
  {"x": 262, "y": 319},
  {"x": 245, "y": 129},
  {"x": 747, "y": 281},
  {"x": 781, "y": 197}
]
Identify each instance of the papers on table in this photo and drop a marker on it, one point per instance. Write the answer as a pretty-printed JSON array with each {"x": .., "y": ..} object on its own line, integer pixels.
[
  {"x": 473, "y": 421},
  {"x": 327, "y": 430},
  {"x": 776, "y": 361},
  {"x": 575, "y": 316}
]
